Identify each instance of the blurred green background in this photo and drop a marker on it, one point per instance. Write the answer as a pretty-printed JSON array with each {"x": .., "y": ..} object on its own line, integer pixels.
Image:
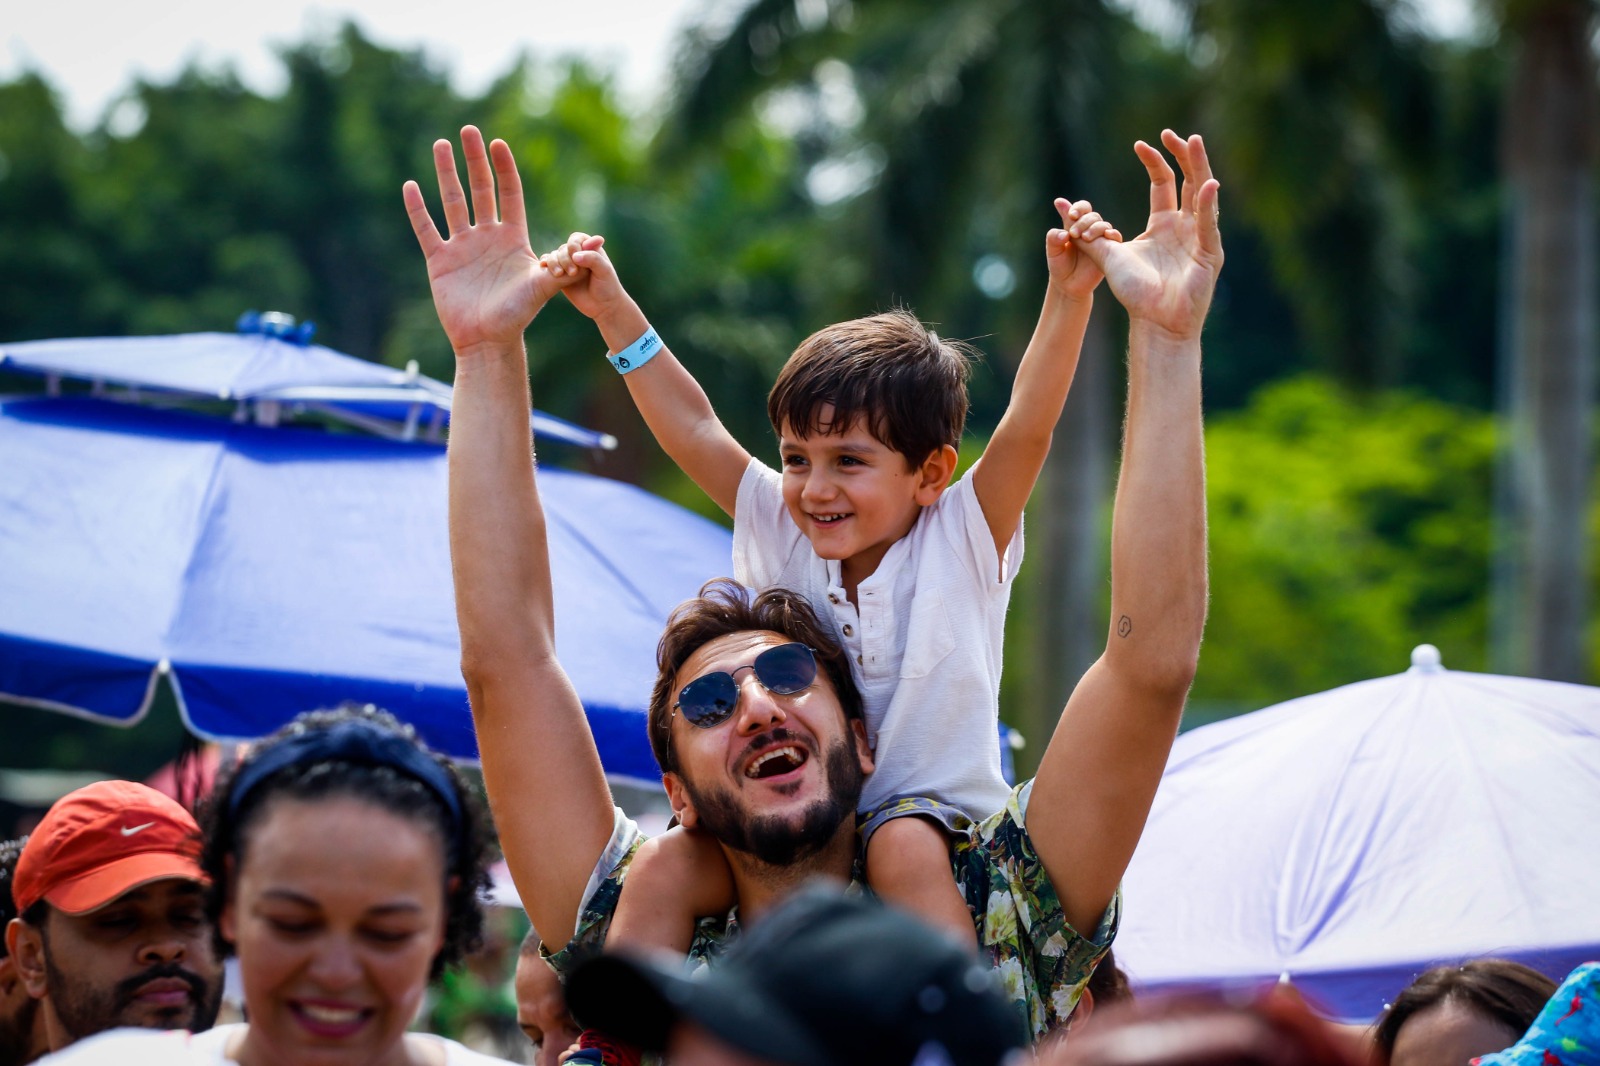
[{"x": 1385, "y": 332}]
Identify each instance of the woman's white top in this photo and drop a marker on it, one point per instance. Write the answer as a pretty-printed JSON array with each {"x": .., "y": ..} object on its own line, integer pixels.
[{"x": 149, "y": 1047}]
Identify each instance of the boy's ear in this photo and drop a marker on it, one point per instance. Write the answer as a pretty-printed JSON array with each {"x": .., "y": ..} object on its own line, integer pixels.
[
  {"x": 933, "y": 476},
  {"x": 678, "y": 797}
]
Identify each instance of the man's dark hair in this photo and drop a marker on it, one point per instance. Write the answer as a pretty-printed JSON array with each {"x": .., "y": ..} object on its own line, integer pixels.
[
  {"x": 9, "y": 850},
  {"x": 1496, "y": 989},
  {"x": 1108, "y": 984},
  {"x": 723, "y": 607},
  {"x": 906, "y": 383},
  {"x": 1275, "y": 1028},
  {"x": 226, "y": 832}
]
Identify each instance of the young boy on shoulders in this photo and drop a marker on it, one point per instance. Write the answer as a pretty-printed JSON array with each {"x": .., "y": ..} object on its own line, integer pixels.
[{"x": 914, "y": 573}]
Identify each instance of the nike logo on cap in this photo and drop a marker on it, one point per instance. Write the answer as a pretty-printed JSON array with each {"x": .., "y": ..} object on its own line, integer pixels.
[{"x": 129, "y": 830}]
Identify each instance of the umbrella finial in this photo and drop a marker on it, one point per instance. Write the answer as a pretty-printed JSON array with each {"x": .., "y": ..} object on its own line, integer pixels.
[{"x": 1425, "y": 659}]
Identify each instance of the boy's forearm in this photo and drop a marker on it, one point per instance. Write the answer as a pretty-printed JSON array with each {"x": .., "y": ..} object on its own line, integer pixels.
[
  {"x": 1021, "y": 442},
  {"x": 622, "y": 325},
  {"x": 678, "y": 411},
  {"x": 1049, "y": 363}
]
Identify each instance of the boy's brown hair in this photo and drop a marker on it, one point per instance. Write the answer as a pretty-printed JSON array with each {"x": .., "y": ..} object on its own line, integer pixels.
[{"x": 906, "y": 383}]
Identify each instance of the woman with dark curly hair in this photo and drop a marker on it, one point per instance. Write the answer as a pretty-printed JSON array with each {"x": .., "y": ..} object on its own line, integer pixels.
[
  {"x": 346, "y": 862},
  {"x": 1452, "y": 1014}
]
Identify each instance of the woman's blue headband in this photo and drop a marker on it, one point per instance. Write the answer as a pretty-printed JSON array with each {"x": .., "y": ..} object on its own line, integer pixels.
[{"x": 352, "y": 741}]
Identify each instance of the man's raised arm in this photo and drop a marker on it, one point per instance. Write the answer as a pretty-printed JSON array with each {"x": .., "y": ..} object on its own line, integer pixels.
[
  {"x": 549, "y": 795},
  {"x": 1099, "y": 774}
]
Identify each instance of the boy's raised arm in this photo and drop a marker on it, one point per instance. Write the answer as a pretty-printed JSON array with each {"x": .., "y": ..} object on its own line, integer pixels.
[
  {"x": 1004, "y": 477},
  {"x": 1099, "y": 774},
  {"x": 672, "y": 402},
  {"x": 551, "y": 804}
]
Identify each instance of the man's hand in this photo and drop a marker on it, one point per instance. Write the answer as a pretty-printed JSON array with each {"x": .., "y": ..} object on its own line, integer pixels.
[
  {"x": 1165, "y": 276},
  {"x": 487, "y": 283},
  {"x": 1073, "y": 274}
]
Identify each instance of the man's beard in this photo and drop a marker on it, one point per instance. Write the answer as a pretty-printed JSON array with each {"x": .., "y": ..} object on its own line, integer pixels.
[
  {"x": 16, "y": 1034},
  {"x": 84, "y": 1010},
  {"x": 775, "y": 839}
]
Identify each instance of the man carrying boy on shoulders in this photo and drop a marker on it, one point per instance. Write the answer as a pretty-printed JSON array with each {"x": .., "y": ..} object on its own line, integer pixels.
[{"x": 1041, "y": 876}]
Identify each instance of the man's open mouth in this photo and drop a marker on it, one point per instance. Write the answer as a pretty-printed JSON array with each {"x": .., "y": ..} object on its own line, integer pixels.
[{"x": 776, "y": 762}]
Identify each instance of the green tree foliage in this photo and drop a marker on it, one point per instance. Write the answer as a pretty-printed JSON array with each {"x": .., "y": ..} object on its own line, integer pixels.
[
  {"x": 714, "y": 250},
  {"x": 934, "y": 138},
  {"x": 1345, "y": 530},
  {"x": 50, "y": 269},
  {"x": 220, "y": 200},
  {"x": 824, "y": 159},
  {"x": 196, "y": 200},
  {"x": 1318, "y": 115},
  {"x": 187, "y": 217}
]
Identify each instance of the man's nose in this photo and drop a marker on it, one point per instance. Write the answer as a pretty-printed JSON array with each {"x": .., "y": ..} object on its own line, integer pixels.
[
  {"x": 758, "y": 709},
  {"x": 168, "y": 946}
]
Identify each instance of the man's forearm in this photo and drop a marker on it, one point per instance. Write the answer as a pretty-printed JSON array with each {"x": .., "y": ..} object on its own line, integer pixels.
[
  {"x": 1100, "y": 770},
  {"x": 496, "y": 524},
  {"x": 543, "y": 775},
  {"x": 1099, "y": 773},
  {"x": 1158, "y": 545},
  {"x": 552, "y": 807}
]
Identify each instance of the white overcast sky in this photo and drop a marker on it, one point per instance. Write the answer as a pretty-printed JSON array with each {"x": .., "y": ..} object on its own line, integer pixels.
[{"x": 90, "y": 50}]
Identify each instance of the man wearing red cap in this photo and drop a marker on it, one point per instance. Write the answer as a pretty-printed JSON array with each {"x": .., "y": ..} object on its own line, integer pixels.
[{"x": 111, "y": 930}]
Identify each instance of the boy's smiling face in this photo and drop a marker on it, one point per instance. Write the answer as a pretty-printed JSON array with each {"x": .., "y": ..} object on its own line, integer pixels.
[{"x": 853, "y": 496}]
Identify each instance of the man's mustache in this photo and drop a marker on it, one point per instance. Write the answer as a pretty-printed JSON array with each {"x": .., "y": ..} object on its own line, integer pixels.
[
  {"x": 128, "y": 989},
  {"x": 780, "y": 735}
]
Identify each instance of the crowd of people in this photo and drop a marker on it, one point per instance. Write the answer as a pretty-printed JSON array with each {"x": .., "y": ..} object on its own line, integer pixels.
[{"x": 849, "y": 879}]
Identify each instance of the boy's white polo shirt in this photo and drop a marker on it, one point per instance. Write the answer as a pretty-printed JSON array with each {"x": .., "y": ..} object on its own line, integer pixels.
[{"x": 925, "y": 640}]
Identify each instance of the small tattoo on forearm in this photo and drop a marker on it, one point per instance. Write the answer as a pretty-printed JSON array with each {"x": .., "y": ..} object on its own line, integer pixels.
[{"x": 1124, "y": 626}]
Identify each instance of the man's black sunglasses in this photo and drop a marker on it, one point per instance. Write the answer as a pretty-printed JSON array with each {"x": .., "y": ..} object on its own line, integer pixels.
[{"x": 710, "y": 699}]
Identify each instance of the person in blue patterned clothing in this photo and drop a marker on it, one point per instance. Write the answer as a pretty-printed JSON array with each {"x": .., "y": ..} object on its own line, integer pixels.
[{"x": 735, "y": 693}]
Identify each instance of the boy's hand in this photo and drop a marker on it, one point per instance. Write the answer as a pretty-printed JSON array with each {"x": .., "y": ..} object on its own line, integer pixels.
[
  {"x": 1166, "y": 275},
  {"x": 1072, "y": 274},
  {"x": 487, "y": 283},
  {"x": 588, "y": 276}
]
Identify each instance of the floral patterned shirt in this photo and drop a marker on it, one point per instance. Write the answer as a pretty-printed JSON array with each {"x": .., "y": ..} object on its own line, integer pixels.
[{"x": 1043, "y": 962}]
